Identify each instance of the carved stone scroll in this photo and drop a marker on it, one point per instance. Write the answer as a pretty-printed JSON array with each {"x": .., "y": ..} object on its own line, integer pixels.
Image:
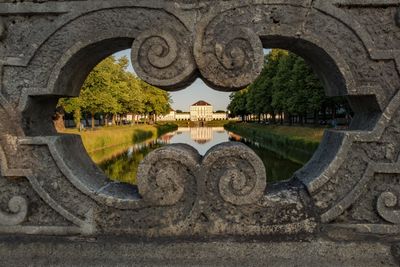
[
  {"x": 162, "y": 57},
  {"x": 164, "y": 174},
  {"x": 387, "y": 202},
  {"x": 238, "y": 174},
  {"x": 48, "y": 48},
  {"x": 18, "y": 207},
  {"x": 229, "y": 58}
]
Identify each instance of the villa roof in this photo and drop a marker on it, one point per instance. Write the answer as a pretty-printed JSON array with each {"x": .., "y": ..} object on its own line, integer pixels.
[{"x": 201, "y": 103}]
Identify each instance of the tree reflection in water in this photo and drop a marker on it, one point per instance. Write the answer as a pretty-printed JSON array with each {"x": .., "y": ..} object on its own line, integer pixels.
[
  {"x": 121, "y": 164},
  {"x": 123, "y": 167}
]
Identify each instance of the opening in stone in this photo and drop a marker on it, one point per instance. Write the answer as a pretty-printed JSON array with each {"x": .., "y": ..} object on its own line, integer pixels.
[
  {"x": 117, "y": 116},
  {"x": 124, "y": 126},
  {"x": 284, "y": 113}
]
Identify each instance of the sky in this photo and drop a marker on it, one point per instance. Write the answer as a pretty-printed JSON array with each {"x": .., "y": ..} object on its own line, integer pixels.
[{"x": 183, "y": 99}]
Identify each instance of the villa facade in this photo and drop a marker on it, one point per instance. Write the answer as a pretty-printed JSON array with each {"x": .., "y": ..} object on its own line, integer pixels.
[{"x": 199, "y": 111}]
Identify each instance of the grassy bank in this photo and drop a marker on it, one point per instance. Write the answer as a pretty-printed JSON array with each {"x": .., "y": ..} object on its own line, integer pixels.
[
  {"x": 107, "y": 137},
  {"x": 295, "y": 143}
]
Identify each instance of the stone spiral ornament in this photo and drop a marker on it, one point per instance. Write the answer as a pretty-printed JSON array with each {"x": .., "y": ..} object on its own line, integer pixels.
[
  {"x": 386, "y": 205},
  {"x": 166, "y": 174},
  {"x": 239, "y": 174},
  {"x": 18, "y": 207},
  {"x": 228, "y": 58},
  {"x": 163, "y": 58}
]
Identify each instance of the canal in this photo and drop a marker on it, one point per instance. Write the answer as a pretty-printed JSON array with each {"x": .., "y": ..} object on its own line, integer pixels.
[{"x": 121, "y": 163}]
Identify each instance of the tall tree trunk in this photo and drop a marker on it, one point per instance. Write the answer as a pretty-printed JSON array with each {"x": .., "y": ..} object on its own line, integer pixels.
[
  {"x": 333, "y": 111},
  {"x": 106, "y": 120},
  {"x": 86, "y": 119},
  {"x": 77, "y": 118},
  {"x": 92, "y": 120},
  {"x": 289, "y": 119},
  {"x": 58, "y": 121},
  {"x": 315, "y": 117}
]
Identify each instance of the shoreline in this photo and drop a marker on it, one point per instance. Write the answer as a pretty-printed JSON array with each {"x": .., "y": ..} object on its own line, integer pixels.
[
  {"x": 109, "y": 137},
  {"x": 297, "y": 144}
]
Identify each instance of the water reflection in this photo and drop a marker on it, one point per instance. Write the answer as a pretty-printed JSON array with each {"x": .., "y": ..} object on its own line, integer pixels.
[
  {"x": 121, "y": 163},
  {"x": 123, "y": 167},
  {"x": 201, "y": 138}
]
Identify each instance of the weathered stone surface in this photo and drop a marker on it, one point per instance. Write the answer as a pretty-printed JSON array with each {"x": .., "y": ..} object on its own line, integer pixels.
[
  {"x": 166, "y": 173},
  {"x": 348, "y": 191},
  {"x": 125, "y": 252},
  {"x": 162, "y": 56},
  {"x": 2, "y": 29}
]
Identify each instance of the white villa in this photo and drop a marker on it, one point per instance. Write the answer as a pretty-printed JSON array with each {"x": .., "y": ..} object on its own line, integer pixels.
[
  {"x": 182, "y": 116},
  {"x": 199, "y": 111}
]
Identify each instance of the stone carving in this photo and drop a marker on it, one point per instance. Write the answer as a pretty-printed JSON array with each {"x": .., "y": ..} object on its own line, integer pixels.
[
  {"x": 162, "y": 57},
  {"x": 163, "y": 174},
  {"x": 387, "y": 202},
  {"x": 233, "y": 184},
  {"x": 236, "y": 172},
  {"x": 353, "y": 46},
  {"x": 18, "y": 207},
  {"x": 229, "y": 58}
]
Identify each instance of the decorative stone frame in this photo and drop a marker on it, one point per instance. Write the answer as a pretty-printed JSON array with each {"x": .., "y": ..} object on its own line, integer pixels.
[{"x": 48, "y": 184}]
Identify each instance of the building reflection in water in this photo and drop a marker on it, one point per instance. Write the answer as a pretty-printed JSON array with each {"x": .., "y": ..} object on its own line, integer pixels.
[
  {"x": 201, "y": 138},
  {"x": 121, "y": 164},
  {"x": 200, "y": 135}
]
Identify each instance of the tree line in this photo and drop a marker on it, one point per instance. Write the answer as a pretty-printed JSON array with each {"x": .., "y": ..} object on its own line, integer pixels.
[
  {"x": 289, "y": 90},
  {"x": 111, "y": 91}
]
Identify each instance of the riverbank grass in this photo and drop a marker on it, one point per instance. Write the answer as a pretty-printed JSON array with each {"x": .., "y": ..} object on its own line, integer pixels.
[
  {"x": 307, "y": 134},
  {"x": 107, "y": 137},
  {"x": 293, "y": 142}
]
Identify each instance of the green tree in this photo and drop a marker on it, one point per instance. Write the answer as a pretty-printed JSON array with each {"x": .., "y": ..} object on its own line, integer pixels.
[
  {"x": 287, "y": 85},
  {"x": 281, "y": 89},
  {"x": 238, "y": 104},
  {"x": 111, "y": 90},
  {"x": 72, "y": 105},
  {"x": 157, "y": 102}
]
